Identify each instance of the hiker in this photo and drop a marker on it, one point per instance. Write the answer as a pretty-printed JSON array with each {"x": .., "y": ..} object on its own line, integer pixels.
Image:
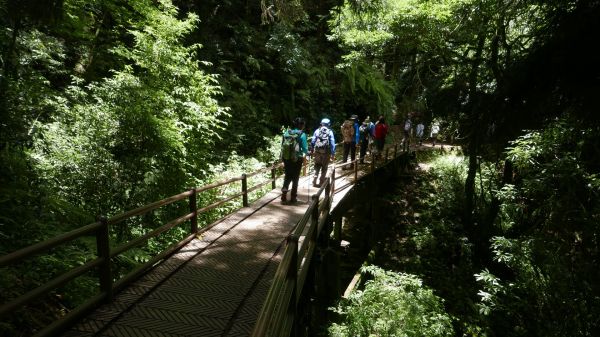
[
  {"x": 323, "y": 150},
  {"x": 350, "y": 134},
  {"x": 356, "y": 135},
  {"x": 294, "y": 149},
  {"x": 406, "y": 131},
  {"x": 372, "y": 135},
  {"x": 435, "y": 129},
  {"x": 381, "y": 130},
  {"x": 420, "y": 129},
  {"x": 365, "y": 132}
]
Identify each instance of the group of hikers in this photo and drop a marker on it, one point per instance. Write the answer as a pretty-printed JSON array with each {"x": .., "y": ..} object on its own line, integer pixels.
[
  {"x": 419, "y": 133},
  {"x": 295, "y": 148}
]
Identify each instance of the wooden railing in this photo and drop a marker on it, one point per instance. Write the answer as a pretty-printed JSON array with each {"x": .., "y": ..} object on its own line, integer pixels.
[
  {"x": 101, "y": 230},
  {"x": 289, "y": 279},
  {"x": 278, "y": 313}
]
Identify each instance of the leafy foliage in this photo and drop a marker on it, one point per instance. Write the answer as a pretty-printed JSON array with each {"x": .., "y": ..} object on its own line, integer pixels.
[
  {"x": 392, "y": 304},
  {"x": 108, "y": 105},
  {"x": 548, "y": 242}
]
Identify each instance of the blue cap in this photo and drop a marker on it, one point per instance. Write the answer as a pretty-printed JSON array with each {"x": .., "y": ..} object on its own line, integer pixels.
[{"x": 325, "y": 121}]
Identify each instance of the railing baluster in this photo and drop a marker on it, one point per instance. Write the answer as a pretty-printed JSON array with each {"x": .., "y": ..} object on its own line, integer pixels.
[
  {"x": 103, "y": 251},
  {"x": 333, "y": 181},
  {"x": 194, "y": 211},
  {"x": 328, "y": 191},
  {"x": 244, "y": 190},
  {"x": 293, "y": 275},
  {"x": 315, "y": 217}
]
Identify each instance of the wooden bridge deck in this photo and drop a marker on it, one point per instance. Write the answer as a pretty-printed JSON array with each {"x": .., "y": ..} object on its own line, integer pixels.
[{"x": 216, "y": 284}]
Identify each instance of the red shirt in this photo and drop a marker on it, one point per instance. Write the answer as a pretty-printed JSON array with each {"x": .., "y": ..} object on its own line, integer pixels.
[{"x": 381, "y": 130}]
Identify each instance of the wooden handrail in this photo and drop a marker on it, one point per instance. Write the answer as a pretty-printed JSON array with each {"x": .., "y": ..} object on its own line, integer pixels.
[
  {"x": 277, "y": 297},
  {"x": 290, "y": 274},
  {"x": 103, "y": 261},
  {"x": 138, "y": 241},
  {"x": 26, "y": 252},
  {"x": 53, "y": 284},
  {"x": 273, "y": 323},
  {"x": 147, "y": 208},
  {"x": 266, "y": 169},
  {"x": 217, "y": 184}
]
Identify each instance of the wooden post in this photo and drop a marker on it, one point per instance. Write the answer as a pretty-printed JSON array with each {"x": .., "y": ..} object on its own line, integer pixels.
[
  {"x": 328, "y": 194},
  {"x": 292, "y": 274},
  {"x": 355, "y": 170},
  {"x": 333, "y": 182},
  {"x": 193, "y": 210},
  {"x": 395, "y": 150},
  {"x": 315, "y": 217},
  {"x": 103, "y": 251},
  {"x": 273, "y": 175},
  {"x": 387, "y": 152},
  {"x": 244, "y": 190}
]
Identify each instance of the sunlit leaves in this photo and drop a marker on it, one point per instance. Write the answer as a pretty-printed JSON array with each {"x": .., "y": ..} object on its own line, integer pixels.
[
  {"x": 392, "y": 304},
  {"x": 293, "y": 56},
  {"x": 151, "y": 122},
  {"x": 492, "y": 287}
]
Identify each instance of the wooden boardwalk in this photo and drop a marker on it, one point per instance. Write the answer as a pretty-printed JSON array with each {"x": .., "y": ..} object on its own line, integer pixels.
[{"x": 217, "y": 283}]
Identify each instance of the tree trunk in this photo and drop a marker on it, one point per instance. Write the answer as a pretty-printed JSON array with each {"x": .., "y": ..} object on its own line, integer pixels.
[{"x": 473, "y": 137}]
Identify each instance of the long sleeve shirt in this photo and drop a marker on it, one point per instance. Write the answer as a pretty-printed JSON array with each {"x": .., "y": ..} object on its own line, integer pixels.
[
  {"x": 330, "y": 137},
  {"x": 303, "y": 142}
]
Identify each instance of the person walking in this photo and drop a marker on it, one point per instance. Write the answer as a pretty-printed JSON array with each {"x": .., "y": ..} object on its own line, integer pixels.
[
  {"x": 323, "y": 150},
  {"x": 349, "y": 134},
  {"x": 365, "y": 138},
  {"x": 420, "y": 130},
  {"x": 381, "y": 130},
  {"x": 406, "y": 131},
  {"x": 435, "y": 129},
  {"x": 294, "y": 149}
]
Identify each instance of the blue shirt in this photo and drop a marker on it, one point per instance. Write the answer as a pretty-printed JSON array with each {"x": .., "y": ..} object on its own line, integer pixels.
[{"x": 331, "y": 139}]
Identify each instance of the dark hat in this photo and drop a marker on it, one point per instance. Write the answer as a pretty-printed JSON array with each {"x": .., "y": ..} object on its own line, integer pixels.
[{"x": 354, "y": 117}]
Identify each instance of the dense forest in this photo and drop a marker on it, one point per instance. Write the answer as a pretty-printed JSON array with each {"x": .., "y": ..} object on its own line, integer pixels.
[{"x": 106, "y": 105}]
